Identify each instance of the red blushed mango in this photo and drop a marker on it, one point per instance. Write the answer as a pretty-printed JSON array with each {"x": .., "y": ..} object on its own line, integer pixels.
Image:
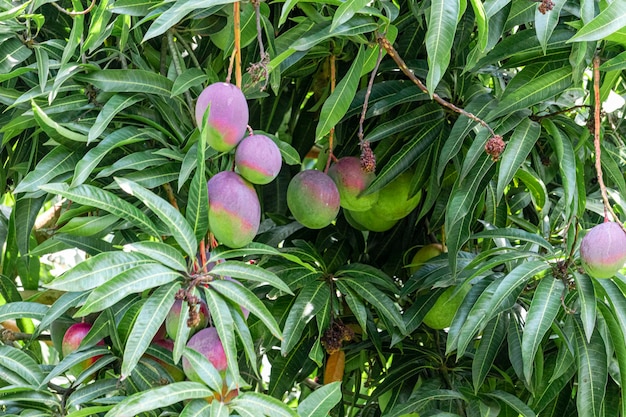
[
  {"x": 352, "y": 181},
  {"x": 208, "y": 343},
  {"x": 258, "y": 159},
  {"x": 71, "y": 342},
  {"x": 603, "y": 250},
  {"x": 228, "y": 115},
  {"x": 173, "y": 317},
  {"x": 313, "y": 199},
  {"x": 234, "y": 209}
]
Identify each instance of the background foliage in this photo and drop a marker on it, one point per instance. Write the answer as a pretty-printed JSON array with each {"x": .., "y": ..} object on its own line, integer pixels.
[{"x": 99, "y": 152}]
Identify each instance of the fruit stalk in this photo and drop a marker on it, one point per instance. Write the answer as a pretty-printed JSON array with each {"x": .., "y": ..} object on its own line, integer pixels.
[
  {"x": 596, "y": 139},
  {"x": 391, "y": 51}
]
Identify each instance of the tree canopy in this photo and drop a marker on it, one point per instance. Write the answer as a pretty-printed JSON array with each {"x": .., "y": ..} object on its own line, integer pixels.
[{"x": 491, "y": 132}]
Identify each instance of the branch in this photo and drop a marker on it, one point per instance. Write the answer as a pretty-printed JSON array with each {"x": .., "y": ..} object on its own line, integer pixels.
[
  {"x": 67, "y": 12},
  {"x": 384, "y": 42}
]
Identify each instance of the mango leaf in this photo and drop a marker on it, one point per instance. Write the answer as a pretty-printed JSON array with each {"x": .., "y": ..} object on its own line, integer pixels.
[
  {"x": 311, "y": 298},
  {"x": 533, "y": 91},
  {"x": 512, "y": 401},
  {"x": 541, "y": 314},
  {"x": 321, "y": 401},
  {"x": 246, "y": 298},
  {"x": 337, "y": 104},
  {"x": 592, "y": 373},
  {"x": 321, "y": 32},
  {"x": 609, "y": 21},
  {"x": 54, "y": 164},
  {"x": 89, "y": 195},
  {"x": 439, "y": 39},
  {"x": 262, "y": 405},
  {"x": 128, "y": 81},
  {"x": 112, "y": 107},
  {"x": 566, "y": 158},
  {"x": 517, "y": 150},
  {"x": 191, "y": 77},
  {"x": 97, "y": 270},
  {"x": 426, "y": 114},
  {"x": 223, "y": 321},
  {"x": 121, "y": 137},
  {"x": 420, "y": 398},
  {"x": 546, "y": 22},
  {"x": 75, "y": 358},
  {"x": 197, "y": 213},
  {"x": 196, "y": 408},
  {"x": 160, "y": 252},
  {"x": 147, "y": 324},
  {"x": 587, "y": 302},
  {"x": 22, "y": 364},
  {"x": 243, "y": 270},
  {"x": 133, "y": 280},
  {"x": 514, "y": 234},
  {"x": 345, "y": 12},
  {"x": 618, "y": 341},
  {"x": 158, "y": 398},
  {"x": 22, "y": 309},
  {"x": 616, "y": 63},
  {"x": 12, "y": 53},
  {"x": 176, "y": 223},
  {"x": 490, "y": 342}
]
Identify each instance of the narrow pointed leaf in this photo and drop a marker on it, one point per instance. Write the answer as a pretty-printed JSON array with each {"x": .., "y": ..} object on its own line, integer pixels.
[
  {"x": 321, "y": 401},
  {"x": 204, "y": 369},
  {"x": 150, "y": 318},
  {"x": 243, "y": 270},
  {"x": 89, "y": 195},
  {"x": 587, "y": 301},
  {"x": 592, "y": 373},
  {"x": 490, "y": 342},
  {"x": 55, "y": 163},
  {"x": 381, "y": 302},
  {"x": 610, "y": 20},
  {"x": 112, "y": 107},
  {"x": 223, "y": 322},
  {"x": 263, "y": 405},
  {"x": 22, "y": 309},
  {"x": 439, "y": 39},
  {"x": 22, "y": 364},
  {"x": 541, "y": 314},
  {"x": 311, "y": 298},
  {"x": 178, "y": 226},
  {"x": 129, "y": 81},
  {"x": 159, "y": 252}
]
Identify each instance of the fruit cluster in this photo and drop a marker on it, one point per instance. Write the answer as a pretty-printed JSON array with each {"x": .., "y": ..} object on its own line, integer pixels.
[
  {"x": 314, "y": 197},
  {"x": 234, "y": 208}
]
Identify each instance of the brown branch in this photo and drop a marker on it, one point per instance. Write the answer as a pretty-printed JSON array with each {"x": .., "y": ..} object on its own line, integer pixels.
[
  {"x": 545, "y": 116},
  {"x": 67, "y": 12},
  {"x": 384, "y": 42},
  {"x": 170, "y": 195},
  {"x": 596, "y": 139}
]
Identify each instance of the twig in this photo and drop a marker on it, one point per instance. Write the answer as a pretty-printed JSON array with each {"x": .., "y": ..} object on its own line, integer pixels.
[
  {"x": 237, "y": 29},
  {"x": 67, "y": 12},
  {"x": 368, "y": 92},
  {"x": 596, "y": 139},
  {"x": 170, "y": 195},
  {"x": 384, "y": 42},
  {"x": 331, "y": 134},
  {"x": 545, "y": 116},
  {"x": 188, "y": 48}
]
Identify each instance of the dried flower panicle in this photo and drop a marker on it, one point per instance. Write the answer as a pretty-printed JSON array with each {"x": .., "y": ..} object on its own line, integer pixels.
[
  {"x": 494, "y": 147},
  {"x": 335, "y": 335},
  {"x": 368, "y": 159},
  {"x": 546, "y": 6}
]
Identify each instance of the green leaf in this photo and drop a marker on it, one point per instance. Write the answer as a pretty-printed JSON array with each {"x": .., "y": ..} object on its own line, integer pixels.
[
  {"x": 54, "y": 164},
  {"x": 12, "y": 53},
  {"x": 53, "y": 129},
  {"x": 133, "y": 280},
  {"x": 587, "y": 301},
  {"x": 418, "y": 400},
  {"x": 262, "y": 405},
  {"x": 618, "y": 342},
  {"x": 22, "y": 309},
  {"x": 546, "y": 22},
  {"x": 514, "y": 234},
  {"x": 540, "y": 87},
  {"x": 439, "y": 39},
  {"x": 541, "y": 314},
  {"x": 197, "y": 213},
  {"x": 98, "y": 198},
  {"x": 112, "y": 107},
  {"x": 60, "y": 307},
  {"x": 97, "y": 270},
  {"x": 566, "y": 158},
  {"x": 159, "y": 252},
  {"x": 321, "y": 32},
  {"x": 381, "y": 302},
  {"x": 158, "y": 398},
  {"x": 191, "y": 77},
  {"x": 134, "y": 7},
  {"x": 492, "y": 300},
  {"x": 178, "y": 226},
  {"x": 121, "y": 137},
  {"x": 223, "y": 322},
  {"x": 512, "y": 401},
  {"x": 617, "y": 63},
  {"x": 246, "y": 298},
  {"x": 243, "y": 270},
  {"x": 147, "y": 324},
  {"x": 204, "y": 369},
  {"x": 128, "y": 81},
  {"x": 176, "y": 13},
  {"x": 517, "y": 150},
  {"x": 490, "y": 342},
  {"x": 609, "y": 21},
  {"x": 22, "y": 364},
  {"x": 196, "y": 408},
  {"x": 77, "y": 357},
  {"x": 311, "y": 298},
  {"x": 96, "y": 389},
  {"x": 592, "y": 373},
  {"x": 88, "y": 226},
  {"x": 345, "y": 12},
  {"x": 337, "y": 104},
  {"x": 321, "y": 401},
  {"x": 482, "y": 23}
]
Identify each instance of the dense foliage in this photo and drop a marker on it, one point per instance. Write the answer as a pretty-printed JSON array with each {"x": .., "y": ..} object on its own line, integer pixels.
[{"x": 101, "y": 154}]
